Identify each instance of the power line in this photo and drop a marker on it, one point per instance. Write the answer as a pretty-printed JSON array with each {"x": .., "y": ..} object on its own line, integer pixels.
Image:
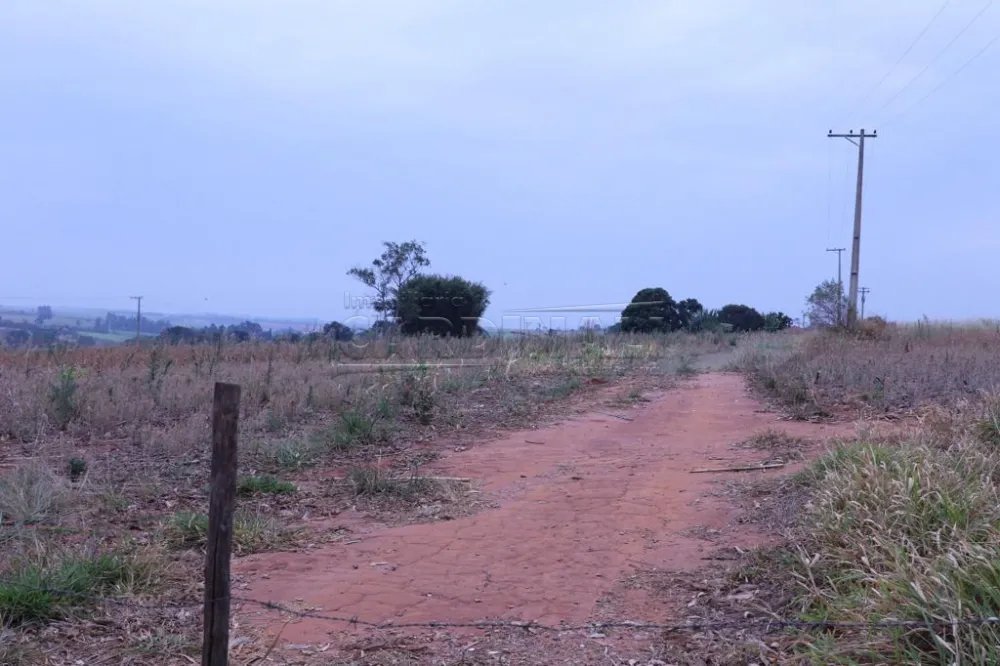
[
  {"x": 905, "y": 53},
  {"x": 935, "y": 58},
  {"x": 958, "y": 71}
]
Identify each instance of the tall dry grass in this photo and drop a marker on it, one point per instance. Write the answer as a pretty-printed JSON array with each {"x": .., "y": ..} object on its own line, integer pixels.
[
  {"x": 901, "y": 368},
  {"x": 95, "y": 393}
]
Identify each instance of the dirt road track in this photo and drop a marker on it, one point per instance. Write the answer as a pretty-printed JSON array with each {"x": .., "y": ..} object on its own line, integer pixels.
[{"x": 581, "y": 504}]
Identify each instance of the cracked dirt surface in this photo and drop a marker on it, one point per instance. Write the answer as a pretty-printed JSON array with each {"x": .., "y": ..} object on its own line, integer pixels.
[{"x": 581, "y": 505}]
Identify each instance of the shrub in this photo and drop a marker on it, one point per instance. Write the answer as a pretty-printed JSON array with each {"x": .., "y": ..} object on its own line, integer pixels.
[
  {"x": 64, "y": 406},
  {"x": 439, "y": 305}
]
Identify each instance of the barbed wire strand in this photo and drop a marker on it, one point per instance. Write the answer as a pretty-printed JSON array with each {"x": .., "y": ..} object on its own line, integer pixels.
[{"x": 691, "y": 625}]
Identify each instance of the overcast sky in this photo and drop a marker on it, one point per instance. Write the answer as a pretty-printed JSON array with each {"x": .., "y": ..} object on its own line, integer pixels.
[{"x": 238, "y": 156}]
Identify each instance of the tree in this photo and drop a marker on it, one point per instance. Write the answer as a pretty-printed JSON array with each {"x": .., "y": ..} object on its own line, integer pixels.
[
  {"x": 399, "y": 263},
  {"x": 652, "y": 309},
  {"x": 440, "y": 305},
  {"x": 338, "y": 331},
  {"x": 822, "y": 304},
  {"x": 776, "y": 321},
  {"x": 44, "y": 313},
  {"x": 742, "y": 318},
  {"x": 687, "y": 310}
]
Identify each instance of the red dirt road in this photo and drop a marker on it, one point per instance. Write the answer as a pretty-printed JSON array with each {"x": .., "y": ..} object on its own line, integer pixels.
[{"x": 581, "y": 505}]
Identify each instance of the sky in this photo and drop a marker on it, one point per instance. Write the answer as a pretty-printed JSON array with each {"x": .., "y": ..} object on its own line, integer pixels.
[{"x": 239, "y": 156}]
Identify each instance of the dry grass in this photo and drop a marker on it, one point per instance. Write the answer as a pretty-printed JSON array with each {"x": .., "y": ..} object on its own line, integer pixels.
[
  {"x": 892, "y": 528},
  {"x": 97, "y": 444},
  {"x": 779, "y": 444},
  {"x": 903, "y": 368},
  {"x": 32, "y": 493}
]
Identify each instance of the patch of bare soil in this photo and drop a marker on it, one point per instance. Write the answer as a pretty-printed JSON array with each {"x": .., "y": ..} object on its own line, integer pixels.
[{"x": 580, "y": 508}]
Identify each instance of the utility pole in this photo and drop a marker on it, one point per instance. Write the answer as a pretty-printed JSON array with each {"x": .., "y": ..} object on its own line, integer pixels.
[
  {"x": 864, "y": 292},
  {"x": 852, "y": 305},
  {"x": 840, "y": 285},
  {"x": 138, "y": 317}
]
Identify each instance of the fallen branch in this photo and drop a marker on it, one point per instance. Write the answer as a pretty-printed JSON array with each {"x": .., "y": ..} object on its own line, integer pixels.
[
  {"x": 617, "y": 416},
  {"x": 456, "y": 479},
  {"x": 748, "y": 468}
]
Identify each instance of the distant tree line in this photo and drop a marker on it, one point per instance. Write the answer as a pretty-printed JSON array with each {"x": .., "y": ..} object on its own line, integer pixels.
[
  {"x": 654, "y": 310},
  {"x": 126, "y": 323}
]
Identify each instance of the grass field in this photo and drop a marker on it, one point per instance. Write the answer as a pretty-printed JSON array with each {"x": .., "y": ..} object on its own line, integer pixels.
[
  {"x": 104, "y": 467},
  {"x": 104, "y": 471}
]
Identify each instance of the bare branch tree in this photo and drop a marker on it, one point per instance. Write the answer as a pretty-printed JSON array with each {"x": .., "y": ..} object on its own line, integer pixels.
[{"x": 389, "y": 272}]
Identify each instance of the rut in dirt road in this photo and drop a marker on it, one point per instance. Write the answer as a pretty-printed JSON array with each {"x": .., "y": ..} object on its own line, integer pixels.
[{"x": 579, "y": 504}]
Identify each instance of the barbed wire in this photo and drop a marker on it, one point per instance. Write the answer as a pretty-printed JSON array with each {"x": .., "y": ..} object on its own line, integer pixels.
[{"x": 770, "y": 623}]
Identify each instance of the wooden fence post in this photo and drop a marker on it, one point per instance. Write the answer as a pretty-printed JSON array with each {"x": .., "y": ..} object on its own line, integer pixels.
[{"x": 225, "y": 422}]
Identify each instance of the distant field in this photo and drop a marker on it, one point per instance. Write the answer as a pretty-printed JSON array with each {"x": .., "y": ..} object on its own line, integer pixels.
[{"x": 110, "y": 337}]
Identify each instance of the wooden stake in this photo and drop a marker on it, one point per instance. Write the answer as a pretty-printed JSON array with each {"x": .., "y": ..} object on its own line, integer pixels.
[{"x": 222, "y": 506}]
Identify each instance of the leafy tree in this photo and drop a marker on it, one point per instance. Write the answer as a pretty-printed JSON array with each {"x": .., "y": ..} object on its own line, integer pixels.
[
  {"x": 441, "y": 305},
  {"x": 652, "y": 309},
  {"x": 776, "y": 321},
  {"x": 44, "y": 313},
  {"x": 687, "y": 310},
  {"x": 338, "y": 331},
  {"x": 399, "y": 263},
  {"x": 822, "y": 304},
  {"x": 742, "y": 318}
]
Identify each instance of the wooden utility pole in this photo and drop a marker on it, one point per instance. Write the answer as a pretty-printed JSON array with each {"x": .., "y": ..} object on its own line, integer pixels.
[
  {"x": 840, "y": 285},
  {"x": 222, "y": 506},
  {"x": 852, "y": 304},
  {"x": 864, "y": 292},
  {"x": 138, "y": 317}
]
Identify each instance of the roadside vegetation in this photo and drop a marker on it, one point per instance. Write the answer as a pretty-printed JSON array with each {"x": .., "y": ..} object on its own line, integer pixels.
[{"x": 897, "y": 528}]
